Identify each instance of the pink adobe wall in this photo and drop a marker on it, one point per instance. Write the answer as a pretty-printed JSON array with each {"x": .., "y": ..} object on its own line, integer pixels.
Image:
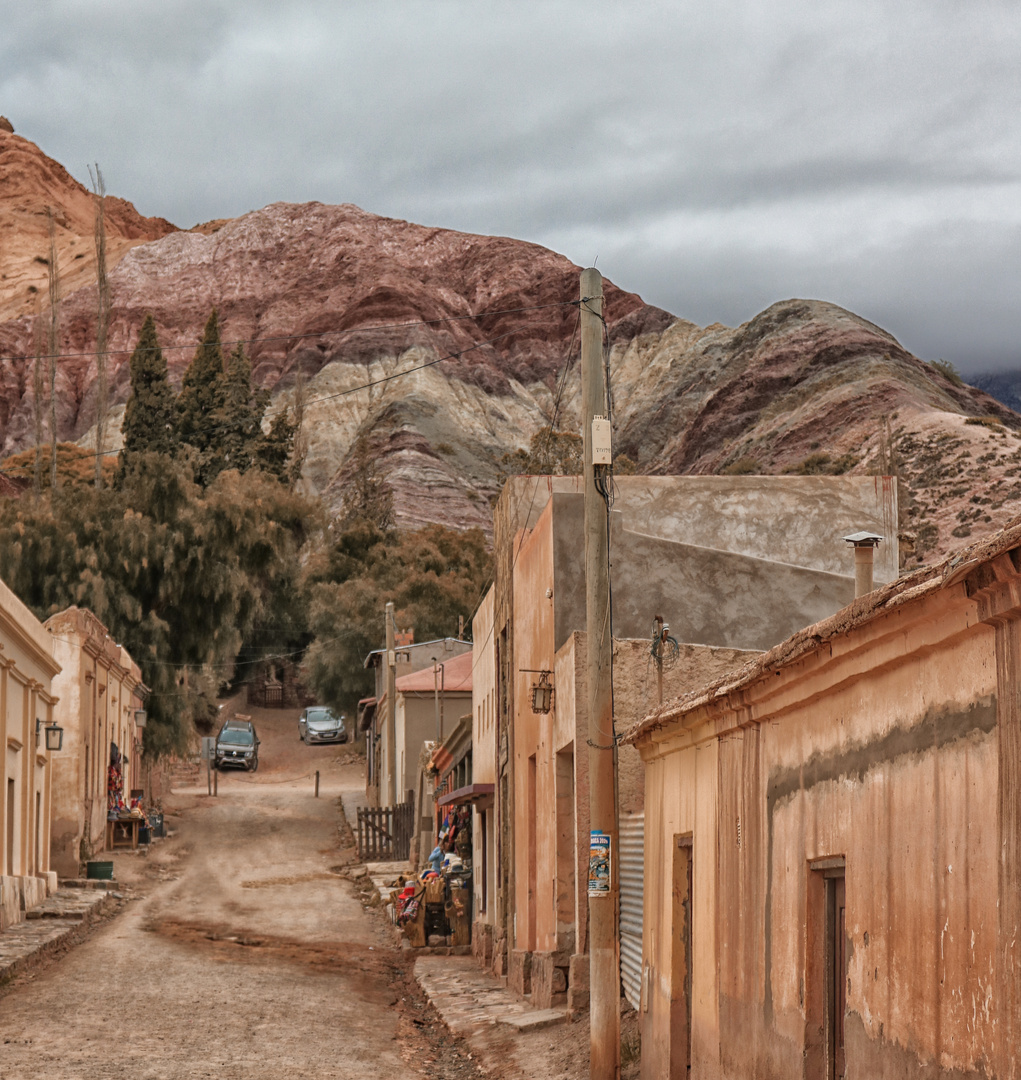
[
  {"x": 881, "y": 749},
  {"x": 533, "y": 797}
]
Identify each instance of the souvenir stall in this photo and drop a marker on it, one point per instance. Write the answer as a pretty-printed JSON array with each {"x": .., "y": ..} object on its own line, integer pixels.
[
  {"x": 126, "y": 823},
  {"x": 438, "y": 903}
]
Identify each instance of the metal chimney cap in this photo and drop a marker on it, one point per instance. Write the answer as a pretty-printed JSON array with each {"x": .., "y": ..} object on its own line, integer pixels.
[{"x": 863, "y": 539}]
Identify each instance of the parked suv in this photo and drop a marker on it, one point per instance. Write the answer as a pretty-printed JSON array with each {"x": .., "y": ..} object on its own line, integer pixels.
[
  {"x": 320, "y": 724},
  {"x": 237, "y": 746}
]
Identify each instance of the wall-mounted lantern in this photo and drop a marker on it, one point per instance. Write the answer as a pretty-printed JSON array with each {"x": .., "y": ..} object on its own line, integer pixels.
[
  {"x": 54, "y": 734},
  {"x": 141, "y": 717},
  {"x": 542, "y": 693}
]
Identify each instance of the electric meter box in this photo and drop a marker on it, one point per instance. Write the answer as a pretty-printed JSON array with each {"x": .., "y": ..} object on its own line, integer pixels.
[{"x": 601, "y": 451}]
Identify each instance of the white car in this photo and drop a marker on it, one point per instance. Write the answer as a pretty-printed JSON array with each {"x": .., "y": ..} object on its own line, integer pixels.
[{"x": 320, "y": 724}]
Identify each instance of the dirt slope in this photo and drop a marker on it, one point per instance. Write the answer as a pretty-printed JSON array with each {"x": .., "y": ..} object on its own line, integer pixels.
[{"x": 29, "y": 183}]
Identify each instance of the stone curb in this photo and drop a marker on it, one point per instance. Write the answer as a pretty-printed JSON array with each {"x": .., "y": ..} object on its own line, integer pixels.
[{"x": 48, "y": 928}]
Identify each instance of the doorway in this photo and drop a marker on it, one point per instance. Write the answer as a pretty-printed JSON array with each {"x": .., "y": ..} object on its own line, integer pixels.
[
  {"x": 566, "y": 848},
  {"x": 826, "y": 974},
  {"x": 681, "y": 959},
  {"x": 10, "y": 827}
]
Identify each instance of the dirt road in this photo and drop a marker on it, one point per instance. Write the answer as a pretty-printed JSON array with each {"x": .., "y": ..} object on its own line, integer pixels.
[{"x": 241, "y": 953}]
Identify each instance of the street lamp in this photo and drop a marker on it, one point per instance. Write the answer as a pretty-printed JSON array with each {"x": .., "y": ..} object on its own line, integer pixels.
[
  {"x": 54, "y": 734},
  {"x": 542, "y": 693}
]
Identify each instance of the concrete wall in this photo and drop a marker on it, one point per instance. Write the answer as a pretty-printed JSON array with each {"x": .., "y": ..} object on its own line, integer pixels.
[
  {"x": 27, "y": 670},
  {"x": 879, "y": 749},
  {"x": 709, "y": 596}
]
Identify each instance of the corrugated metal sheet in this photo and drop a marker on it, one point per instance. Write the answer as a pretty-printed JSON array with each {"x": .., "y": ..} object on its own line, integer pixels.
[{"x": 632, "y": 889}]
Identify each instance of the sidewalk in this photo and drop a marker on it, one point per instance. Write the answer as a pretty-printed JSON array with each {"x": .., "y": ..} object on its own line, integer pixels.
[
  {"x": 507, "y": 1037},
  {"x": 59, "y": 920}
]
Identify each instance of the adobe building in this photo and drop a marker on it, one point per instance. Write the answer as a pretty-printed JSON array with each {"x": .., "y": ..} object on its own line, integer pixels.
[
  {"x": 100, "y": 689},
  {"x": 833, "y": 843},
  {"x": 27, "y": 671},
  {"x": 373, "y": 718},
  {"x": 484, "y": 771},
  {"x": 733, "y": 564}
]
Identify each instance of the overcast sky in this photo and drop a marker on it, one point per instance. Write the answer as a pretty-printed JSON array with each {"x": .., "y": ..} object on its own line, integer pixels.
[{"x": 713, "y": 157}]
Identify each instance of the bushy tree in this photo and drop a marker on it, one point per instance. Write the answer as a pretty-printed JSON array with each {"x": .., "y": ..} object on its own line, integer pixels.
[
  {"x": 549, "y": 453},
  {"x": 432, "y": 575},
  {"x": 179, "y": 575},
  {"x": 368, "y": 494}
]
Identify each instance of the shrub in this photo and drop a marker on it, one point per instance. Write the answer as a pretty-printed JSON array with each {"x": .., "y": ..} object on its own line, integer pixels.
[
  {"x": 948, "y": 371},
  {"x": 820, "y": 464},
  {"x": 744, "y": 466}
]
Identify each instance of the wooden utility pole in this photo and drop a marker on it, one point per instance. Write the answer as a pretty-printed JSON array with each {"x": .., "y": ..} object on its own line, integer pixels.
[
  {"x": 391, "y": 708},
  {"x": 603, "y": 887}
]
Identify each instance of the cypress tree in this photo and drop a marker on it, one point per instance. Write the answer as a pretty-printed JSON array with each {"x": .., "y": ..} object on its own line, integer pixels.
[
  {"x": 273, "y": 453},
  {"x": 237, "y": 427},
  {"x": 202, "y": 391},
  {"x": 149, "y": 421},
  {"x": 201, "y": 401}
]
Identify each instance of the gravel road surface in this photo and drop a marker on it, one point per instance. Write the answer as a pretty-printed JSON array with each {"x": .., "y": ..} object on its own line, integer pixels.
[{"x": 240, "y": 952}]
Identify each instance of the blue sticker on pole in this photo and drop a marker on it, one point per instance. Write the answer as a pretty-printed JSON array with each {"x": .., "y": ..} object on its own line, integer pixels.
[{"x": 599, "y": 863}]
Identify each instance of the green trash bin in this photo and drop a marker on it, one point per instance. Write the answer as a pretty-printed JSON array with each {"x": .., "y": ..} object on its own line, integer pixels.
[{"x": 99, "y": 871}]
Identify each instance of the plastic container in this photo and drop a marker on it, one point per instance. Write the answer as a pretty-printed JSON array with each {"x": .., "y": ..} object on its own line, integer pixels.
[
  {"x": 156, "y": 824},
  {"x": 144, "y": 834},
  {"x": 99, "y": 871}
]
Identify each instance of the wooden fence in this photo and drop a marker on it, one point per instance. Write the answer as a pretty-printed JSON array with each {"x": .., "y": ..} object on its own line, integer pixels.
[{"x": 384, "y": 832}]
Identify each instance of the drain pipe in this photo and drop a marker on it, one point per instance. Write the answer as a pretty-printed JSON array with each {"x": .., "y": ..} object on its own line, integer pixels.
[{"x": 864, "y": 546}]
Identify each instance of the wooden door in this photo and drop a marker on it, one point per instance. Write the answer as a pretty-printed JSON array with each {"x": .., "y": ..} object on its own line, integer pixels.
[{"x": 839, "y": 977}]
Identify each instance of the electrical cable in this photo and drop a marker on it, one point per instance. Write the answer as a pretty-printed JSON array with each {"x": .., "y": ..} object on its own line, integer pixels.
[
  {"x": 354, "y": 389},
  {"x": 302, "y": 337}
]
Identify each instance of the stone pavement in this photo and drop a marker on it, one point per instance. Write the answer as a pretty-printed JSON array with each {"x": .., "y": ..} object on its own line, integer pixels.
[
  {"x": 59, "y": 919},
  {"x": 468, "y": 997}
]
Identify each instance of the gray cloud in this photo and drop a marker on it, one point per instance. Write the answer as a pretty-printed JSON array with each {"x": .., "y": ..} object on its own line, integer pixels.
[{"x": 714, "y": 158}]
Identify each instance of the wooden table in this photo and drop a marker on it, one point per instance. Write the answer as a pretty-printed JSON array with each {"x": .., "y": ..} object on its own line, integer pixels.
[{"x": 122, "y": 832}]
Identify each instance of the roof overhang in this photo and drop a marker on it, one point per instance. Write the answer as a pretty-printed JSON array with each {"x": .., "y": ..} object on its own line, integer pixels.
[{"x": 480, "y": 795}]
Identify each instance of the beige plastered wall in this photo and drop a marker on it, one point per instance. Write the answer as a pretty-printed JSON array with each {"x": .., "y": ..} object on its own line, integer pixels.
[
  {"x": 415, "y": 725},
  {"x": 880, "y": 748},
  {"x": 98, "y": 690},
  {"x": 27, "y": 670}
]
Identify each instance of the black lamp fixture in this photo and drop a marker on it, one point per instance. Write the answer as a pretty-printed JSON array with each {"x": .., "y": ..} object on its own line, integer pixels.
[
  {"x": 54, "y": 734},
  {"x": 542, "y": 693}
]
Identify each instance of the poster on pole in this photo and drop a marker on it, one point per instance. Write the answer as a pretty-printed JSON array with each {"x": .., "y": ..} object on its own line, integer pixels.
[{"x": 599, "y": 863}]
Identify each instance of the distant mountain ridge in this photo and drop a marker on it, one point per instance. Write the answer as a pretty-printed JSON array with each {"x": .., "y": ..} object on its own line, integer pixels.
[
  {"x": 463, "y": 339},
  {"x": 1005, "y": 386}
]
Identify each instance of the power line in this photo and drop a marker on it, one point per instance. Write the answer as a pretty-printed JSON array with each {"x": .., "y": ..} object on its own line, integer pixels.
[
  {"x": 309, "y": 334},
  {"x": 372, "y": 382}
]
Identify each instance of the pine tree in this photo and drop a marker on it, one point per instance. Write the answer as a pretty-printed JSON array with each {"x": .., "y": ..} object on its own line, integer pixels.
[
  {"x": 201, "y": 401},
  {"x": 149, "y": 421}
]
